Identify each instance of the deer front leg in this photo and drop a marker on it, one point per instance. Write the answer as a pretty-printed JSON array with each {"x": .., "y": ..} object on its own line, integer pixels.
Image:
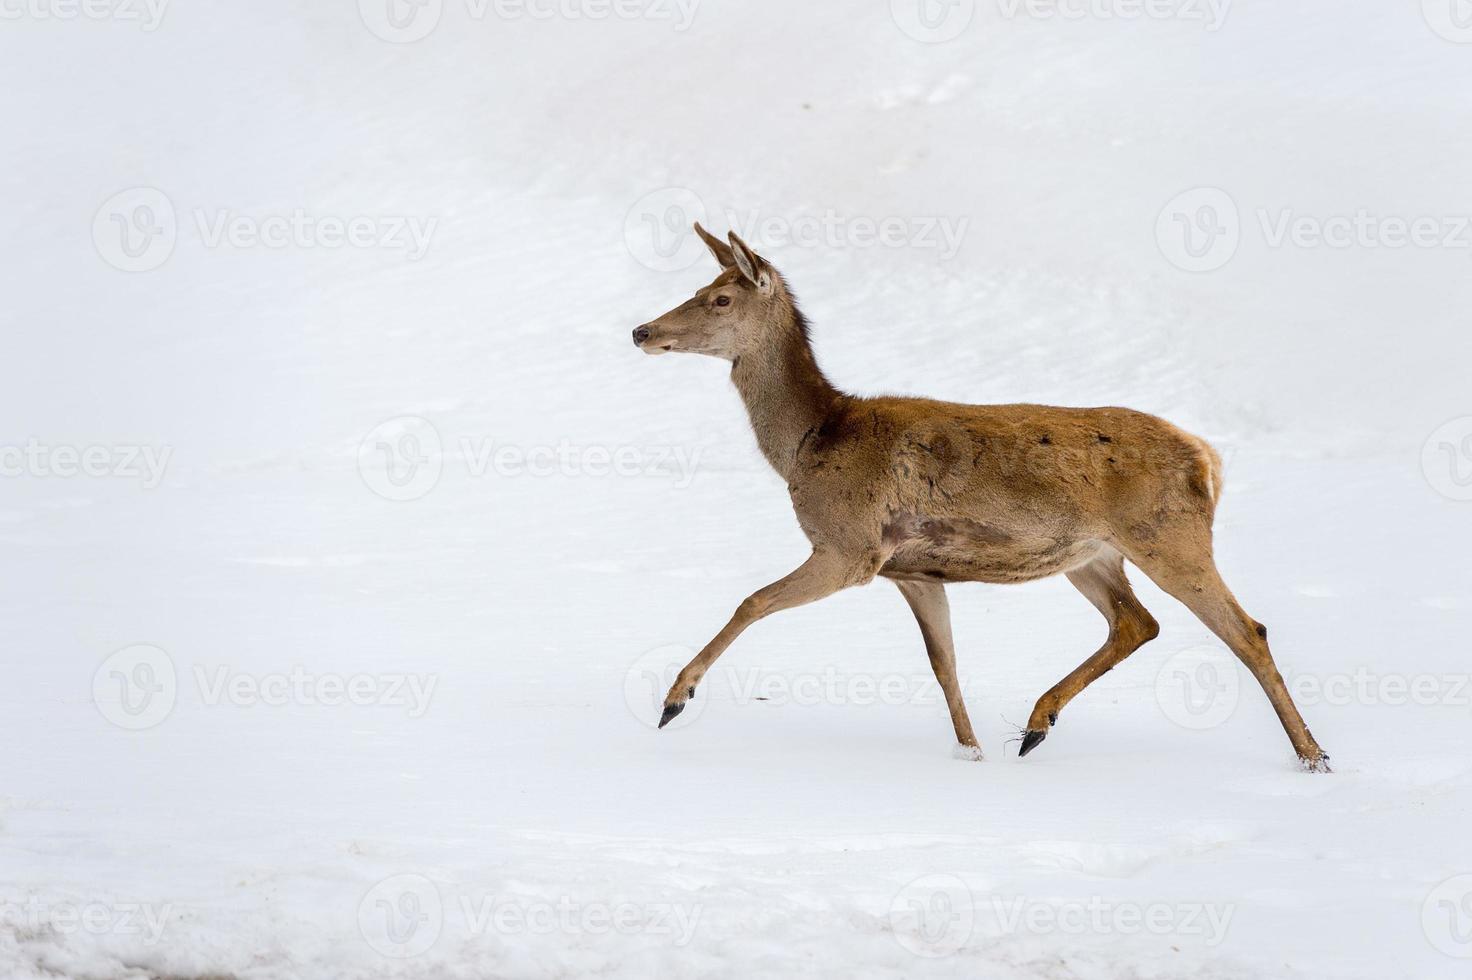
[
  {"x": 928, "y": 602},
  {"x": 823, "y": 574}
]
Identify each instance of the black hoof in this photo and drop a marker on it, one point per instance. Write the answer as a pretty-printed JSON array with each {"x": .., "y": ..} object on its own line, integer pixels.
[
  {"x": 670, "y": 710},
  {"x": 1030, "y": 741}
]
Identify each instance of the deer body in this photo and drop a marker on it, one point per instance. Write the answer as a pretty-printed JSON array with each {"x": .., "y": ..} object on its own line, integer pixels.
[{"x": 926, "y": 493}]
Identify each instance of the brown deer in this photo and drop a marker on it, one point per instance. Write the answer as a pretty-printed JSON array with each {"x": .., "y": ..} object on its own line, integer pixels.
[{"x": 924, "y": 493}]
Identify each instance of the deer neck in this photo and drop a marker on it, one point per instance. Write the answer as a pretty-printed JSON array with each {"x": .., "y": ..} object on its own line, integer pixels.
[{"x": 786, "y": 395}]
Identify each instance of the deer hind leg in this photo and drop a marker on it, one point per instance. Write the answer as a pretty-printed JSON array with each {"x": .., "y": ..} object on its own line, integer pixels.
[
  {"x": 1103, "y": 583},
  {"x": 824, "y": 573},
  {"x": 1181, "y": 563},
  {"x": 928, "y": 602}
]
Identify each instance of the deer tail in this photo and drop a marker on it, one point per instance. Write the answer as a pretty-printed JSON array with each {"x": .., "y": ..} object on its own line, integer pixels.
[{"x": 1206, "y": 477}]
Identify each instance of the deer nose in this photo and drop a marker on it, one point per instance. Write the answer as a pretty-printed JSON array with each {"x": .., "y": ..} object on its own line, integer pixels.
[{"x": 641, "y": 334}]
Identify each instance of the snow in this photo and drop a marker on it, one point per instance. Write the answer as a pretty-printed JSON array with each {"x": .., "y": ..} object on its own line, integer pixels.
[{"x": 279, "y": 710}]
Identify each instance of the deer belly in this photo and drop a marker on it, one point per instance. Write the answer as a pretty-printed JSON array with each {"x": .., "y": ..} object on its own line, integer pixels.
[{"x": 969, "y": 551}]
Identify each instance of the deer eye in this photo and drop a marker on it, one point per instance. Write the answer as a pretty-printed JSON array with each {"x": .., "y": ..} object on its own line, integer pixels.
[{"x": 723, "y": 301}]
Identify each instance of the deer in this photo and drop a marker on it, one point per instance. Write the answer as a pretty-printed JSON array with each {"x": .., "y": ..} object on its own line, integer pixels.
[{"x": 928, "y": 493}]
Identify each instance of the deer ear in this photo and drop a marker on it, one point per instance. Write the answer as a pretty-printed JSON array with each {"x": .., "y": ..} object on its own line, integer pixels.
[
  {"x": 755, "y": 268},
  {"x": 718, "y": 248}
]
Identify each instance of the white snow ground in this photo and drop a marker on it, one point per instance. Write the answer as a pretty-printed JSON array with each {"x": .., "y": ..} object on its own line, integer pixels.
[{"x": 492, "y": 800}]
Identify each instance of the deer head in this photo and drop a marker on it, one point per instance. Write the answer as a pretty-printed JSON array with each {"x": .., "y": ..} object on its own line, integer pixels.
[{"x": 738, "y": 311}]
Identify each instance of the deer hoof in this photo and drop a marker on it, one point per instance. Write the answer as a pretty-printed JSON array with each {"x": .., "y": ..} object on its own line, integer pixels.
[
  {"x": 1321, "y": 764},
  {"x": 1030, "y": 741},
  {"x": 670, "y": 711}
]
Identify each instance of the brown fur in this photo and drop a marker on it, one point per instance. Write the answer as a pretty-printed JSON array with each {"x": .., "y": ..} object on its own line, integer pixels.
[{"x": 926, "y": 492}]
